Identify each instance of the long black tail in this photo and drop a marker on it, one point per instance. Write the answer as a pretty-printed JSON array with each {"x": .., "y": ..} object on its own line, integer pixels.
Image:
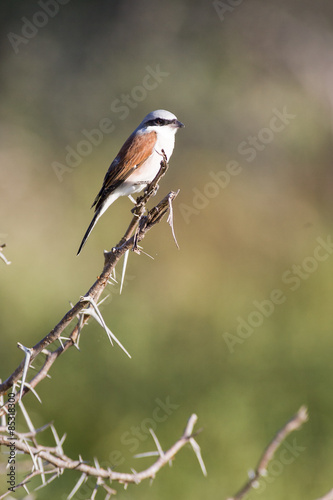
[{"x": 90, "y": 228}]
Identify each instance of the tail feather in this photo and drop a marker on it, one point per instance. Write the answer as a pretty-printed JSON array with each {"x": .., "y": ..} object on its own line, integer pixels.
[
  {"x": 99, "y": 212},
  {"x": 90, "y": 228}
]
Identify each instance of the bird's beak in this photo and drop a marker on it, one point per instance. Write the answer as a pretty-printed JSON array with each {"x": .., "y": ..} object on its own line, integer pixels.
[{"x": 179, "y": 124}]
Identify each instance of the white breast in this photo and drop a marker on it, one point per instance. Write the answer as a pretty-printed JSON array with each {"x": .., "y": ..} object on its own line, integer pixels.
[{"x": 149, "y": 169}]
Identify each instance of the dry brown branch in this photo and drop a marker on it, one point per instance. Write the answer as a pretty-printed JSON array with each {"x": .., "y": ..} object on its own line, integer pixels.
[
  {"x": 141, "y": 224},
  {"x": 56, "y": 462},
  {"x": 292, "y": 425}
]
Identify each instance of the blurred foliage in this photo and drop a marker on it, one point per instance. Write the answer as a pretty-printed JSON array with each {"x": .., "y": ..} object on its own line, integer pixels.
[{"x": 225, "y": 79}]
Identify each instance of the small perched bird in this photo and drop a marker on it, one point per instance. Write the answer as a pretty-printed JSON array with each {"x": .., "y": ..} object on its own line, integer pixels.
[{"x": 138, "y": 161}]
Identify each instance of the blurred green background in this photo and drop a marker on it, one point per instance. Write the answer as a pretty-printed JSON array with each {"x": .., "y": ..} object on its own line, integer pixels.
[{"x": 226, "y": 72}]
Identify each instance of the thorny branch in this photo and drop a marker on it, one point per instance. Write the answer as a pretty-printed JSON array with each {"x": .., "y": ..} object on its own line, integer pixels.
[
  {"x": 52, "y": 460},
  {"x": 141, "y": 224},
  {"x": 292, "y": 425}
]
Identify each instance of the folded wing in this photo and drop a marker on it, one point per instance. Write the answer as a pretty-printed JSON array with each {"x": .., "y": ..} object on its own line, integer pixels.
[{"x": 133, "y": 153}]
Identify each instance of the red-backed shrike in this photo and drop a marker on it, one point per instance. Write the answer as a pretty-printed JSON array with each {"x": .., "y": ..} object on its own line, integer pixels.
[{"x": 138, "y": 162}]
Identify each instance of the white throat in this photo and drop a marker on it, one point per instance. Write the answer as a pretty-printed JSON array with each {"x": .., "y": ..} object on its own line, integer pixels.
[{"x": 165, "y": 139}]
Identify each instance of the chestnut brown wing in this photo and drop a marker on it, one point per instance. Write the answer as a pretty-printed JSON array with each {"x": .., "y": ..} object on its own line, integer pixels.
[{"x": 133, "y": 153}]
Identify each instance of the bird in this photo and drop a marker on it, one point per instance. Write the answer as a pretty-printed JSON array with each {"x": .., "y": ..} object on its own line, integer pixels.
[{"x": 137, "y": 163}]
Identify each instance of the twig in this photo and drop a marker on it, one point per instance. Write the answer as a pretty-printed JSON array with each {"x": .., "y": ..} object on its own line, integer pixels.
[
  {"x": 123, "y": 272},
  {"x": 26, "y": 364},
  {"x": 292, "y": 425},
  {"x": 197, "y": 451},
  {"x": 170, "y": 221},
  {"x": 96, "y": 314}
]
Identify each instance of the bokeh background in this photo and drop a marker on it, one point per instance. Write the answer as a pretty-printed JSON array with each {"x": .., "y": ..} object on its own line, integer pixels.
[{"x": 226, "y": 72}]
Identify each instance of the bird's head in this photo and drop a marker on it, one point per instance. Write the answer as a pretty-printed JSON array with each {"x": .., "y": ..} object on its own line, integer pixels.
[{"x": 156, "y": 120}]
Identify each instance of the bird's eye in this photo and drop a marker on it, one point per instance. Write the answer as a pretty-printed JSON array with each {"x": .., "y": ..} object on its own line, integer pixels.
[{"x": 159, "y": 121}]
